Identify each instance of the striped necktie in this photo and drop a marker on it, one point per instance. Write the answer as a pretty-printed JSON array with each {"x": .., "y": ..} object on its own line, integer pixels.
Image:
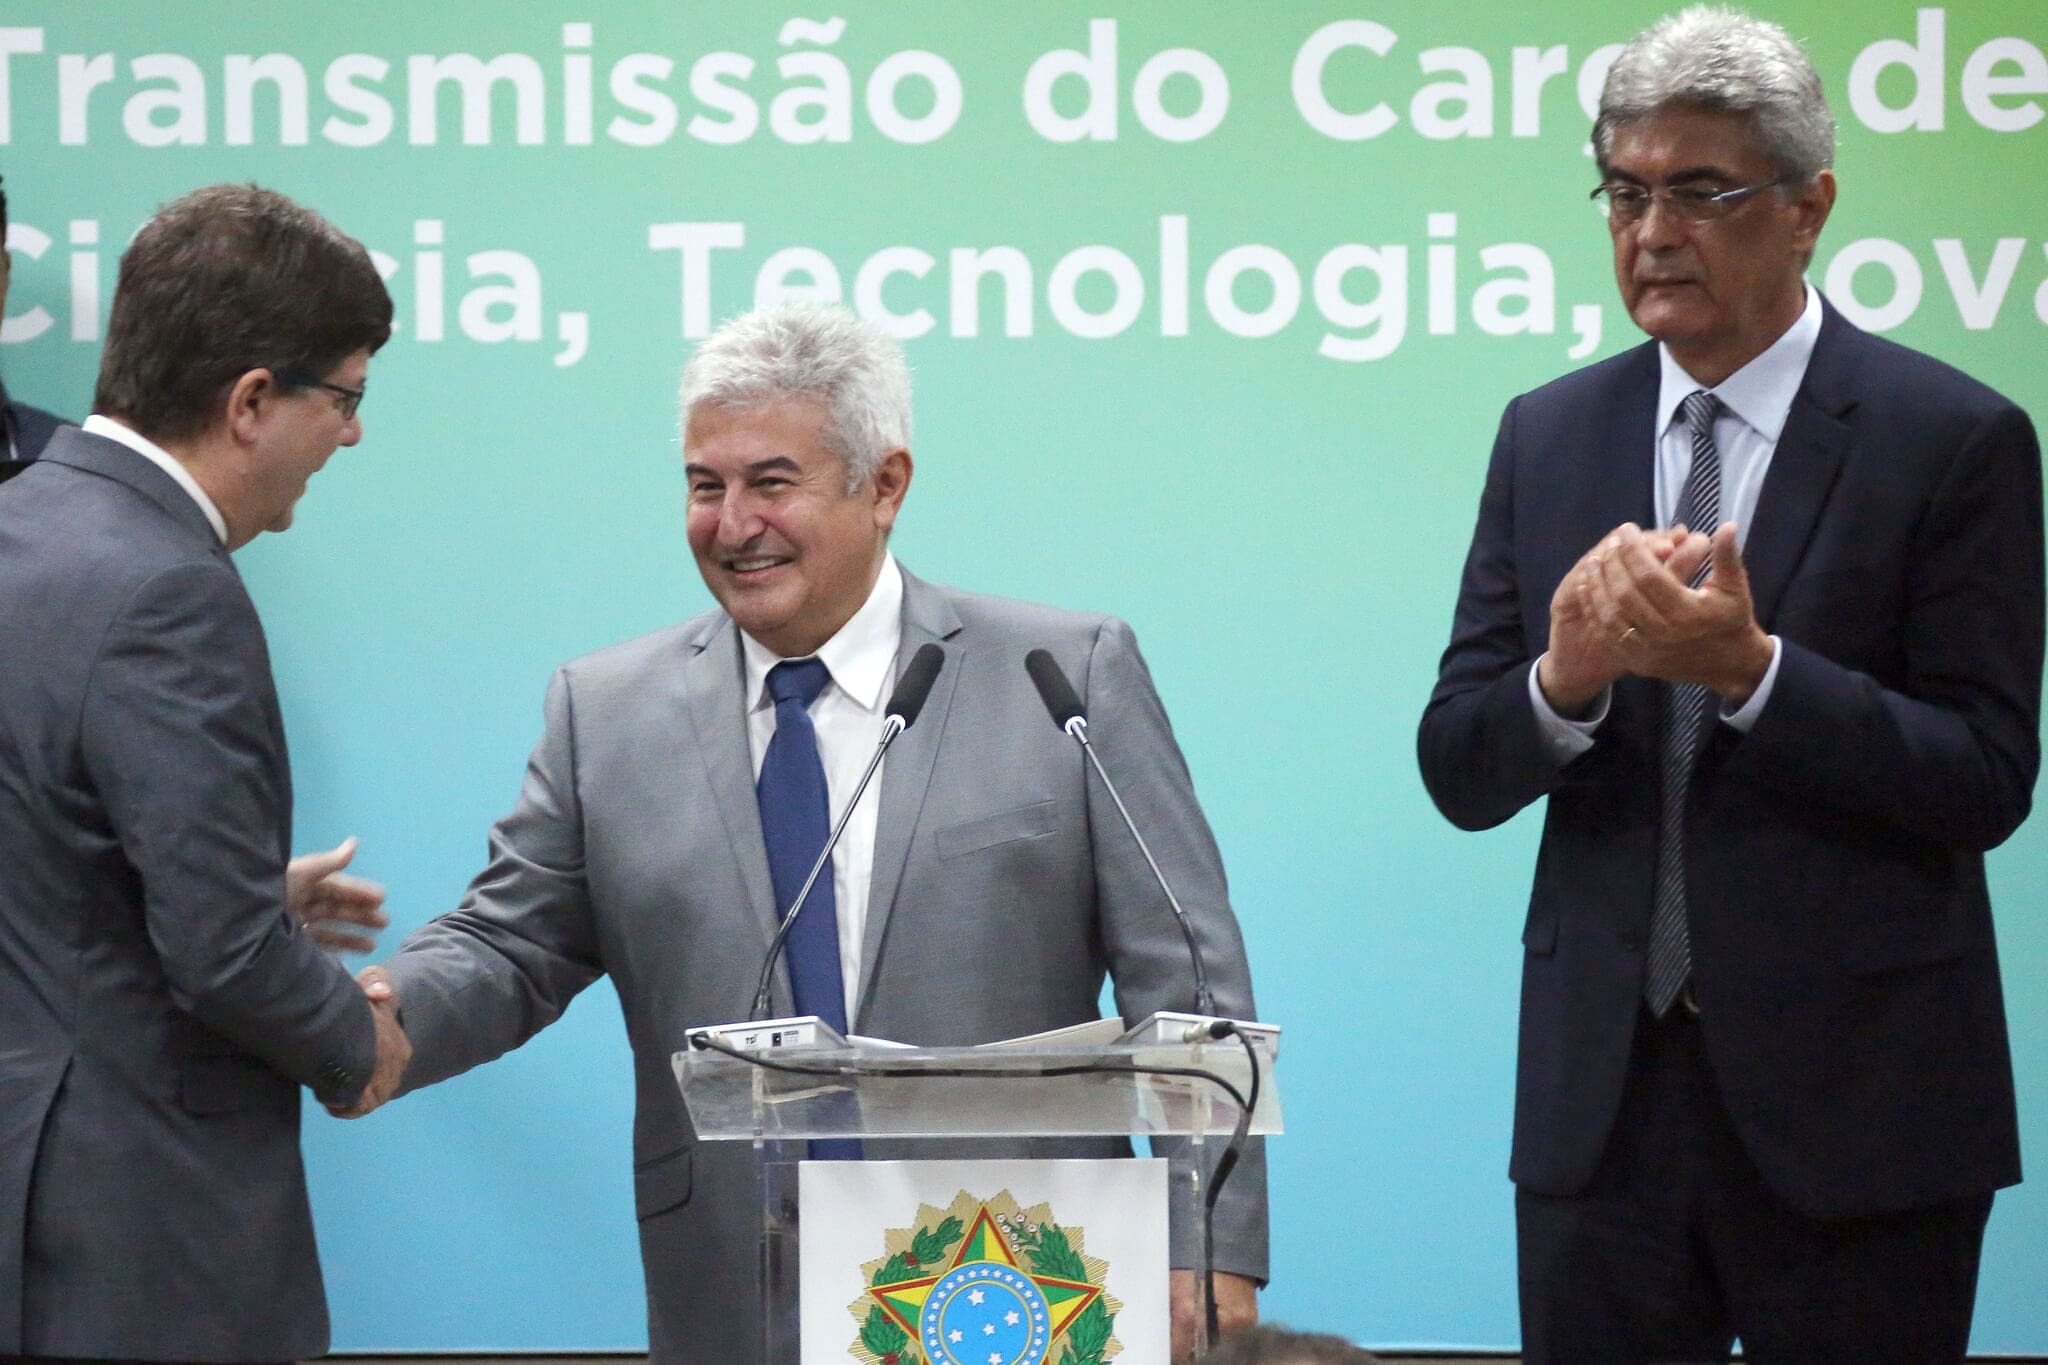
[{"x": 1685, "y": 711}]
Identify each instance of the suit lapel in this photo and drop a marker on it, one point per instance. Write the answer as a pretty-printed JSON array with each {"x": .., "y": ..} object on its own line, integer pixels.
[
  {"x": 1804, "y": 467},
  {"x": 927, "y": 617},
  {"x": 1627, "y": 486},
  {"x": 1609, "y": 479},
  {"x": 1613, "y": 481},
  {"x": 714, "y": 683}
]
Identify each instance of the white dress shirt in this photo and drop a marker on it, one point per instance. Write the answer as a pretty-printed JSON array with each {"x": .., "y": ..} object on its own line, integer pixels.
[
  {"x": 1755, "y": 402},
  {"x": 848, "y": 718},
  {"x": 162, "y": 459}
]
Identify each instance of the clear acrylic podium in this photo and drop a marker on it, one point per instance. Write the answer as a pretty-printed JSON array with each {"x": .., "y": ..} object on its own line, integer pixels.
[{"x": 935, "y": 1096}]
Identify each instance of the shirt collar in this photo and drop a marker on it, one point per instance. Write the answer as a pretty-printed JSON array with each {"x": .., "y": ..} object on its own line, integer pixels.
[
  {"x": 162, "y": 459},
  {"x": 860, "y": 656},
  {"x": 1761, "y": 392}
]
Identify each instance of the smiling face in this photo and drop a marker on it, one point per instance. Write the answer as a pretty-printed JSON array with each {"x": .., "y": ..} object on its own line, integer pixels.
[
  {"x": 1718, "y": 293},
  {"x": 788, "y": 552},
  {"x": 306, "y": 427},
  {"x": 267, "y": 442}
]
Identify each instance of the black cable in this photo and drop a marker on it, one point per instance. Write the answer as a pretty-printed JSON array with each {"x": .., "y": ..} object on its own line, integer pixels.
[{"x": 1225, "y": 1165}]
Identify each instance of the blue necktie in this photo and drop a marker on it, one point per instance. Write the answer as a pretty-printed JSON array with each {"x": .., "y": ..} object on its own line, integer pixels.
[{"x": 796, "y": 820}]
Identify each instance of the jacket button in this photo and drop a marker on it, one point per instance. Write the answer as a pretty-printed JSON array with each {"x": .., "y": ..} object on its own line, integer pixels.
[{"x": 1632, "y": 940}]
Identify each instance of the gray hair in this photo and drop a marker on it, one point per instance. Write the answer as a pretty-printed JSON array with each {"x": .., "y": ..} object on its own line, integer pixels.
[
  {"x": 1708, "y": 57},
  {"x": 811, "y": 351}
]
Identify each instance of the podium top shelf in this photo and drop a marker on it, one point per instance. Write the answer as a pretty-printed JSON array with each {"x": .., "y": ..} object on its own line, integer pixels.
[{"x": 1125, "y": 1089}]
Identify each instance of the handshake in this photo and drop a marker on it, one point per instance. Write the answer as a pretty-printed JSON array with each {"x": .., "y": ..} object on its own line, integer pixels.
[{"x": 342, "y": 913}]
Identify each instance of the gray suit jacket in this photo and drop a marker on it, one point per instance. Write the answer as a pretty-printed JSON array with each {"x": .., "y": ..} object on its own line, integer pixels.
[
  {"x": 1004, "y": 888},
  {"x": 158, "y": 1005}
]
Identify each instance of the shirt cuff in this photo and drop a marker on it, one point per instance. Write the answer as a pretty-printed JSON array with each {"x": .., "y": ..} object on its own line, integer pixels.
[
  {"x": 1566, "y": 739},
  {"x": 1744, "y": 717}
]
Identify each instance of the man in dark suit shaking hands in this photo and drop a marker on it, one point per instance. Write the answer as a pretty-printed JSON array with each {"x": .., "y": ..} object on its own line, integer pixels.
[
  {"x": 160, "y": 1003},
  {"x": 1758, "y": 607}
]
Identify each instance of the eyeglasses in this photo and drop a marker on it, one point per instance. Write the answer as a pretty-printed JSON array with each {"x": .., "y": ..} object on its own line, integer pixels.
[
  {"x": 1627, "y": 203},
  {"x": 350, "y": 399}
]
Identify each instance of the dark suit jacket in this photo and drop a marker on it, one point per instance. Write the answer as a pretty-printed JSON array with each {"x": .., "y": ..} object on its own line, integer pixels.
[
  {"x": 158, "y": 1006},
  {"x": 1004, "y": 888},
  {"x": 1841, "y": 932},
  {"x": 30, "y": 429}
]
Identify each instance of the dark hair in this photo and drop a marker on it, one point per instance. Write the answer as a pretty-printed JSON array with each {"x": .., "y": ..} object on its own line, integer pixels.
[
  {"x": 1267, "y": 1345},
  {"x": 229, "y": 279},
  {"x": 3, "y": 219}
]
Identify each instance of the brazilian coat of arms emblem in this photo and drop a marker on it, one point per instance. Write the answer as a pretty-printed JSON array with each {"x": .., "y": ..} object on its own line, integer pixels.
[{"x": 984, "y": 1282}]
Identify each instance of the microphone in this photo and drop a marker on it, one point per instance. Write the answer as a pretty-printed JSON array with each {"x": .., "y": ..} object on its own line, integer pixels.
[
  {"x": 1065, "y": 708},
  {"x": 913, "y": 687},
  {"x": 899, "y": 715},
  {"x": 1056, "y": 692}
]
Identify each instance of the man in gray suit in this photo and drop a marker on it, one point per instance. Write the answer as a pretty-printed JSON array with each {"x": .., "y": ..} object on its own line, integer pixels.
[
  {"x": 159, "y": 1004},
  {"x": 983, "y": 887}
]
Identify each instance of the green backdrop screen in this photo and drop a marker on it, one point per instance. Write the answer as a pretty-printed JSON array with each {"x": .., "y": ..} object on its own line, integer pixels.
[{"x": 1213, "y": 310}]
